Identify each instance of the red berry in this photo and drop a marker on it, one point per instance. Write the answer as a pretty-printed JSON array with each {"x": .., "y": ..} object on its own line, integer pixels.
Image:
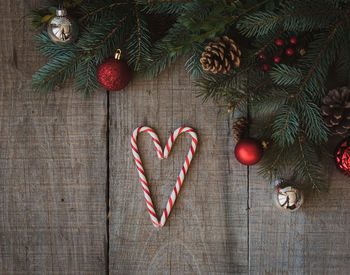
[
  {"x": 265, "y": 67},
  {"x": 279, "y": 42},
  {"x": 277, "y": 59},
  {"x": 289, "y": 51},
  {"x": 293, "y": 40},
  {"x": 262, "y": 56}
]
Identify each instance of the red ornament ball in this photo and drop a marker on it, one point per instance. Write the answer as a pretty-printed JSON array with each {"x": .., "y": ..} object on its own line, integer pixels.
[
  {"x": 342, "y": 157},
  {"x": 293, "y": 40},
  {"x": 262, "y": 56},
  {"x": 265, "y": 67},
  {"x": 113, "y": 74},
  {"x": 289, "y": 51},
  {"x": 277, "y": 59},
  {"x": 279, "y": 42},
  {"x": 248, "y": 151}
]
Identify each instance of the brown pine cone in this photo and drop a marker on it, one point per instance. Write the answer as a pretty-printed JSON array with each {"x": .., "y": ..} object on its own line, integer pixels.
[
  {"x": 239, "y": 128},
  {"x": 221, "y": 56},
  {"x": 336, "y": 110}
]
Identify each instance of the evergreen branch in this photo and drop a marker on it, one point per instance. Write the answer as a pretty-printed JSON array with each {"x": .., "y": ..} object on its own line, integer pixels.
[
  {"x": 214, "y": 86},
  {"x": 245, "y": 97},
  {"x": 307, "y": 78},
  {"x": 273, "y": 162},
  {"x": 99, "y": 46},
  {"x": 139, "y": 44},
  {"x": 318, "y": 58},
  {"x": 85, "y": 76},
  {"x": 64, "y": 68},
  {"x": 270, "y": 103},
  {"x": 163, "y": 7},
  {"x": 51, "y": 49},
  {"x": 167, "y": 50},
  {"x": 256, "y": 88},
  {"x": 267, "y": 44},
  {"x": 254, "y": 7},
  {"x": 56, "y": 71},
  {"x": 311, "y": 120},
  {"x": 161, "y": 55},
  {"x": 262, "y": 23},
  {"x": 98, "y": 10},
  {"x": 138, "y": 32},
  {"x": 86, "y": 86},
  {"x": 305, "y": 164},
  {"x": 277, "y": 158},
  {"x": 284, "y": 75},
  {"x": 289, "y": 118}
]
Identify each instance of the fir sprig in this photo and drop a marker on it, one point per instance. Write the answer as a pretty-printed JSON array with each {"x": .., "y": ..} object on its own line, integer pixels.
[
  {"x": 285, "y": 101},
  {"x": 290, "y": 103},
  {"x": 105, "y": 26}
]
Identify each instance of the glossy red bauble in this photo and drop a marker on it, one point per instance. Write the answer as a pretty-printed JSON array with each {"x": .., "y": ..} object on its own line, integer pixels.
[
  {"x": 279, "y": 42},
  {"x": 262, "y": 56},
  {"x": 277, "y": 59},
  {"x": 293, "y": 40},
  {"x": 342, "y": 157},
  {"x": 248, "y": 151},
  {"x": 265, "y": 67},
  {"x": 113, "y": 74},
  {"x": 289, "y": 51}
]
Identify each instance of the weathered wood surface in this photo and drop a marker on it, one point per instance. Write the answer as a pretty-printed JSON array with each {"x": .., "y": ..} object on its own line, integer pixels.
[
  {"x": 314, "y": 240},
  {"x": 52, "y": 164},
  {"x": 54, "y": 185},
  {"x": 207, "y": 229}
]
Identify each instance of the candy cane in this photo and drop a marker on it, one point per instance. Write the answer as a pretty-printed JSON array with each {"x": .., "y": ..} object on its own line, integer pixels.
[{"x": 162, "y": 155}]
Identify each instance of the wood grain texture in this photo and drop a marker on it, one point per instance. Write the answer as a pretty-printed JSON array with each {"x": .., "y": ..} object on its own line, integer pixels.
[
  {"x": 53, "y": 183},
  {"x": 206, "y": 232},
  {"x": 52, "y": 164},
  {"x": 313, "y": 240}
]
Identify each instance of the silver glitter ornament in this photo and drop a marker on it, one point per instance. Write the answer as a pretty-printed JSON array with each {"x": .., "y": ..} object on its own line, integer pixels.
[
  {"x": 62, "y": 29},
  {"x": 288, "y": 198}
]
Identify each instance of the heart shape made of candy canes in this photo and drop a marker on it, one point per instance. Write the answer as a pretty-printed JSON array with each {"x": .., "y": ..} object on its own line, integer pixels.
[{"x": 162, "y": 155}]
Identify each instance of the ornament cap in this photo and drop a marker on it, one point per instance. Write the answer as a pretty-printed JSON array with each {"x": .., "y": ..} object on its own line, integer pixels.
[
  {"x": 61, "y": 12},
  {"x": 118, "y": 54}
]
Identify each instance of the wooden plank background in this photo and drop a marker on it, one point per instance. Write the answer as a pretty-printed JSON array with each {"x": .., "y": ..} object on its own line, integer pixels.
[
  {"x": 65, "y": 162},
  {"x": 52, "y": 164}
]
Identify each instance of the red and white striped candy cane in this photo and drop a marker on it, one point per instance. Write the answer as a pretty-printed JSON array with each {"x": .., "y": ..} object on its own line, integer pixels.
[{"x": 162, "y": 155}]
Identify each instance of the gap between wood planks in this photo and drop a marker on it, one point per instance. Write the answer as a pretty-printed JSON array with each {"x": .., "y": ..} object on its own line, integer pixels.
[
  {"x": 248, "y": 208},
  {"x": 107, "y": 182}
]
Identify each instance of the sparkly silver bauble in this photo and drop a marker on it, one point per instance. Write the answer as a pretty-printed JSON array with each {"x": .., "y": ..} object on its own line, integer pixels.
[
  {"x": 288, "y": 198},
  {"x": 61, "y": 29}
]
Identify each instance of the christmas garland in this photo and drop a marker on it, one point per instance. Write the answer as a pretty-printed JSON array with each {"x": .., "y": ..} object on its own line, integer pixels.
[{"x": 274, "y": 61}]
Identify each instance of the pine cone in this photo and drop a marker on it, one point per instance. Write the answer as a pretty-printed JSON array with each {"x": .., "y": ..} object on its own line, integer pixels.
[
  {"x": 221, "y": 56},
  {"x": 239, "y": 128},
  {"x": 336, "y": 110}
]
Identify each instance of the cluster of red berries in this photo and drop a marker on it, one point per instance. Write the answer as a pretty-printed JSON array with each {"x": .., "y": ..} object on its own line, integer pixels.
[{"x": 286, "y": 48}]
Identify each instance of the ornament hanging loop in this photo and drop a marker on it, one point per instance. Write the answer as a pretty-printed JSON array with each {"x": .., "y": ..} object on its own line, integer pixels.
[{"x": 118, "y": 54}]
